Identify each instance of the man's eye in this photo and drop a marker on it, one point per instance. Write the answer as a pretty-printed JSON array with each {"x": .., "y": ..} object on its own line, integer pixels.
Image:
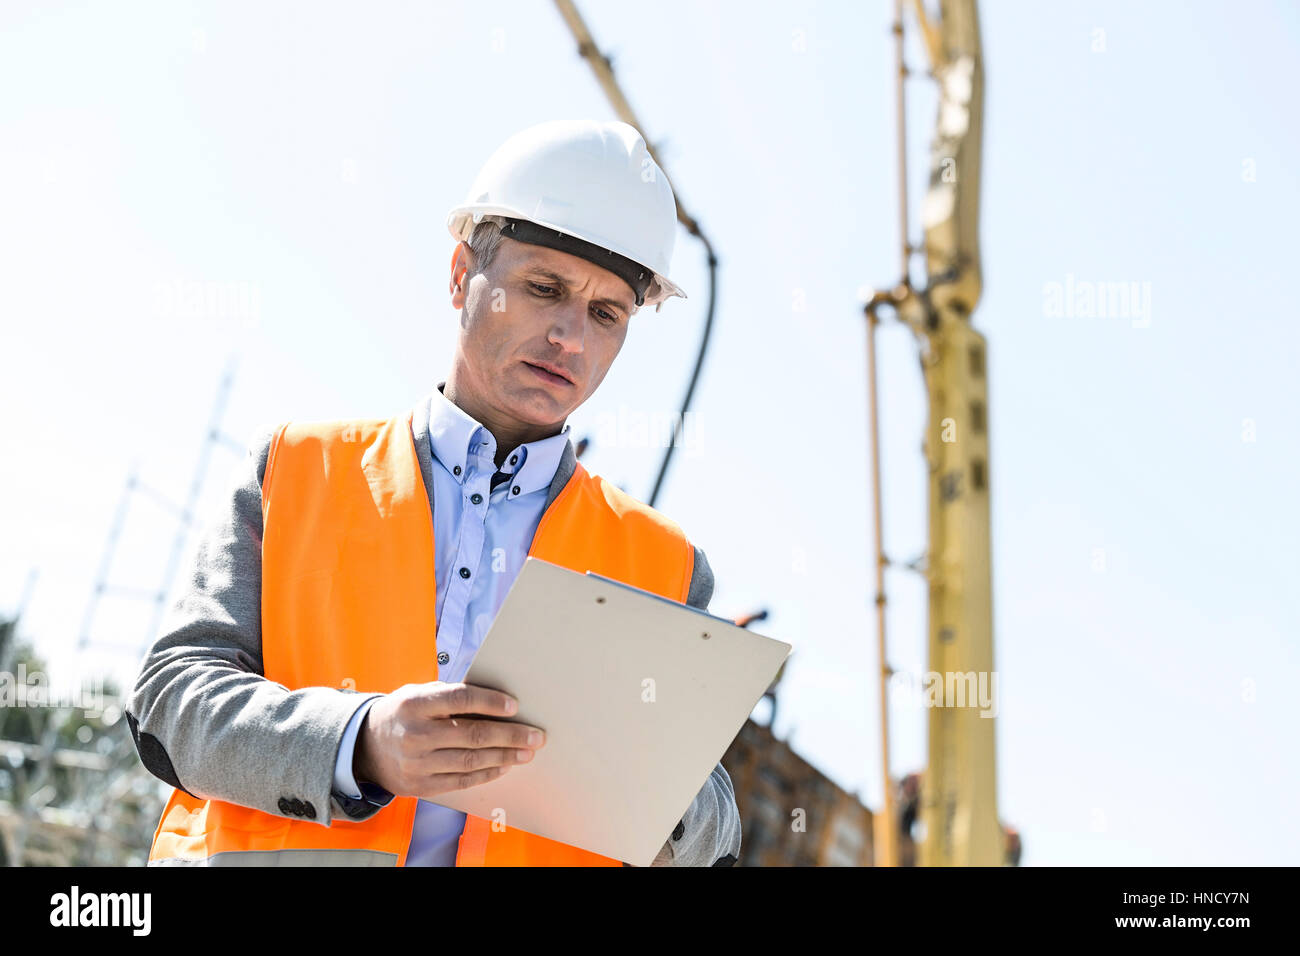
[{"x": 546, "y": 290}]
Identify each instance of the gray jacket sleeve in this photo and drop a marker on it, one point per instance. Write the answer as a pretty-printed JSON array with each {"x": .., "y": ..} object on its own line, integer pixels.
[
  {"x": 203, "y": 716},
  {"x": 709, "y": 833}
]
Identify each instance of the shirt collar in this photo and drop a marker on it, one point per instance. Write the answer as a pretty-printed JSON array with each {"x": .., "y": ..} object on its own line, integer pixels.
[{"x": 462, "y": 445}]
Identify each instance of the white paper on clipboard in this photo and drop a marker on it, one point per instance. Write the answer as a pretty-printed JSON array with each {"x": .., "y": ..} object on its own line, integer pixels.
[{"x": 639, "y": 696}]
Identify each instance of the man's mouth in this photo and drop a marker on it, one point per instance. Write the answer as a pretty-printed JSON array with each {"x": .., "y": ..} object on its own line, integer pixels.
[{"x": 548, "y": 375}]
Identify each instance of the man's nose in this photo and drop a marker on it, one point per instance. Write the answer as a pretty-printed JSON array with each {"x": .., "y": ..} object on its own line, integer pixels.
[{"x": 569, "y": 326}]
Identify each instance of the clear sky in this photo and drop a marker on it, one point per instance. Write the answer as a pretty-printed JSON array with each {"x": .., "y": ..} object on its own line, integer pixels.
[{"x": 303, "y": 156}]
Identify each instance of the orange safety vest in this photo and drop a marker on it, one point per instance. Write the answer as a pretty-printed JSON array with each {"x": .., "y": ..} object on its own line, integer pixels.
[{"x": 348, "y": 601}]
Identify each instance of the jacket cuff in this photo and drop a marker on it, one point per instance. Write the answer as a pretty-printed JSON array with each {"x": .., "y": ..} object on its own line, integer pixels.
[
  {"x": 709, "y": 833},
  {"x": 344, "y": 782},
  {"x": 355, "y": 799},
  {"x": 373, "y": 799}
]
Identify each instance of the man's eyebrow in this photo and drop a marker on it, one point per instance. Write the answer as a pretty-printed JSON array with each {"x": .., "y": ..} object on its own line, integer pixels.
[{"x": 625, "y": 305}]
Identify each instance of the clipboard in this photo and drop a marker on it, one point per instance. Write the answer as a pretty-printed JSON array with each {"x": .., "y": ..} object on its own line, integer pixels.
[{"x": 639, "y": 696}]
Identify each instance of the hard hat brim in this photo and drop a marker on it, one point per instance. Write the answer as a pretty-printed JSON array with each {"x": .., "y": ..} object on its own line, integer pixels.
[{"x": 461, "y": 221}]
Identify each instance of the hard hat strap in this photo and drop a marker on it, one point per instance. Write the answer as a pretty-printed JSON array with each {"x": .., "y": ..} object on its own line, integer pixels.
[{"x": 637, "y": 276}]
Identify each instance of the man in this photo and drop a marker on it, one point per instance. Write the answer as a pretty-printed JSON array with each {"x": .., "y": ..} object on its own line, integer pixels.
[{"x": 305, "y": 698}]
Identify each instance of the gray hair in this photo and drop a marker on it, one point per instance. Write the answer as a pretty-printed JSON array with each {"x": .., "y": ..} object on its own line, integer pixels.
[{"x": 485, "y": 240}]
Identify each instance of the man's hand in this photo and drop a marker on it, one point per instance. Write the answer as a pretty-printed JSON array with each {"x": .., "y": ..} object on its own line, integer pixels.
[{"x": 417, "y": 741}]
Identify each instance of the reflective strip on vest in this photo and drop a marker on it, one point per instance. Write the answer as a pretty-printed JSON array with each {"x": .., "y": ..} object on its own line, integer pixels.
[
  {"x": 323, "y": 857},
  {"x": 347, "y": 550}
]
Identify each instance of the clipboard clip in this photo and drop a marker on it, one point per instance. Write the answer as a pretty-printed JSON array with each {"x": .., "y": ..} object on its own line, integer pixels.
[{"x": 659, "y": 597}]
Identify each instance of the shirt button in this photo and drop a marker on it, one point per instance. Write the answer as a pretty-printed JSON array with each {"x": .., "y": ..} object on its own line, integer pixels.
[
  {"x": 476, "y": 498},
  {"x": 443, "y": 657},
  {"x": 513, "y": 459},
  {"x": 514, "y": 490},
  {"x": 456, "y": 470},
  {"x": 464, "y": 572}
]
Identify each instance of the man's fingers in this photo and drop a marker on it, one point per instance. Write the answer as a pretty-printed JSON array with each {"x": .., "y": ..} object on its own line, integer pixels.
[
  {"x": 451, "y": 760},
  {"x": 466, "y": 732},
  {"x": 444, "y": 782},
  {"x": 443, "y": 700}
]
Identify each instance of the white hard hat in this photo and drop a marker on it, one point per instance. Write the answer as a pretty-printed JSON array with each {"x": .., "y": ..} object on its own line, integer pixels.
[{"x": 587, "y": 188}]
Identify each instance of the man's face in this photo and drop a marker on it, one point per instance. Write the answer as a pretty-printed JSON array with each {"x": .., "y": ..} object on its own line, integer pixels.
[{"x": 536, "y": 306}]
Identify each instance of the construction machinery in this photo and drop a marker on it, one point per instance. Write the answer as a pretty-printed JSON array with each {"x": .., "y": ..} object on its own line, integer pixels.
[{"x": 958, "y": 790}]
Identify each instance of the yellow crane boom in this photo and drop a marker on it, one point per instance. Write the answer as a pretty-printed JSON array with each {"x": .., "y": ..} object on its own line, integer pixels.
[
  {"x": 959, "y": 793},
  {"x": 958, "y": 801}
]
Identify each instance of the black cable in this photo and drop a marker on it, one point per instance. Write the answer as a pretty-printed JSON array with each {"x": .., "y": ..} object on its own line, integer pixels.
[{"x": 695, "y": 376}]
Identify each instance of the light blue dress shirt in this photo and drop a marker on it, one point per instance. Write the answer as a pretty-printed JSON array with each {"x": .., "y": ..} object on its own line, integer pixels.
[{"x": 481, "y": 538}]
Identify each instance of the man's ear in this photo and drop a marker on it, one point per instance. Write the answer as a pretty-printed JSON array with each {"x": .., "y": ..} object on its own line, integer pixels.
[{"x": 462, "y": 258}]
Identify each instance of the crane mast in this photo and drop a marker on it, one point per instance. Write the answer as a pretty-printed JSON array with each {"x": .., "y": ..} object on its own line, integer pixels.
[{"x": 959, "y": 792}]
